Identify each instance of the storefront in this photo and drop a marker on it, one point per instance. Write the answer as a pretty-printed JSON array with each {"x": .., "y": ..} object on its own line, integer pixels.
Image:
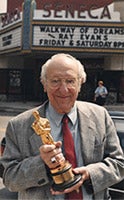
[{"x": 31, "y": 33}]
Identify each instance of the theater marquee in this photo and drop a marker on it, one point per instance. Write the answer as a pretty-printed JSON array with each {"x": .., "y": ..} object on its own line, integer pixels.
[{"x": 62, "y": 27}]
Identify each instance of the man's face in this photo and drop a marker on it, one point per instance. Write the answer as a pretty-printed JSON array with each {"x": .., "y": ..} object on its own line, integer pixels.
[{"x": 62, "y": 84}]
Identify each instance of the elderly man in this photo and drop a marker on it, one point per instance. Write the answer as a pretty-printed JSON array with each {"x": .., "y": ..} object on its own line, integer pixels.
[{"x": 99, "y": 157}]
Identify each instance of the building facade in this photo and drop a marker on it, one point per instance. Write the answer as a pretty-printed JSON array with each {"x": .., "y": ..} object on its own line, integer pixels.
[{"x": 33, "y": 30}]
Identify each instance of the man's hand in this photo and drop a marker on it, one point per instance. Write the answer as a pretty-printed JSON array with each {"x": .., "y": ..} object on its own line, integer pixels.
[
  {"x": 85, "y": 176},
  {"x": 48, "y": 152}
]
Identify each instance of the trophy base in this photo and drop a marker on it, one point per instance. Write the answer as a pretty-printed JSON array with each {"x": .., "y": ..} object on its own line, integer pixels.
[{"x": 67, "y": 184}]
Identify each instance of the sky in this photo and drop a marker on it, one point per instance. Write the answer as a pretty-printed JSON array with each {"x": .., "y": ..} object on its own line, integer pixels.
[{"x": 3, "y": 4}]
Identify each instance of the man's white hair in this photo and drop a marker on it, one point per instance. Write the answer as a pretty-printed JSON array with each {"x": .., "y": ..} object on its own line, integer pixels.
[{"x": 81, "y": 73}]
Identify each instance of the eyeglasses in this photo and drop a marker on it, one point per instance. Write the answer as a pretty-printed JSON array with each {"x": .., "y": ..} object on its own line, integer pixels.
[{"x": 58, "y": 82}]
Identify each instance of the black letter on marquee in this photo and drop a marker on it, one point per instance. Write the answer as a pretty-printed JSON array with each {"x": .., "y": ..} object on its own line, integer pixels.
[{"x": 105, "y": 13}]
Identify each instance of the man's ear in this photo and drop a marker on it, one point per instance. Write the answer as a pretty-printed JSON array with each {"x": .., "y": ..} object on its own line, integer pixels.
[
  {"x": 80, "y": 84},
  {"x": 82, "y": 81},
  {"x": 44, "y": 86},
  {"x": 45, "y": 89}
]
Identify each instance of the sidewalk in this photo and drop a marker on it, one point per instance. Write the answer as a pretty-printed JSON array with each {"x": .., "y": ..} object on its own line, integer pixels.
[{"x": 18, "y": 107}]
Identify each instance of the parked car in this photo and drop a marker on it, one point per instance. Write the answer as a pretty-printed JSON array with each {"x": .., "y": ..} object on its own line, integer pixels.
[
  {"x": 118, "y": 118},
  {"x": 2, "y": 147},
  {"x": 117, "y": 190}
]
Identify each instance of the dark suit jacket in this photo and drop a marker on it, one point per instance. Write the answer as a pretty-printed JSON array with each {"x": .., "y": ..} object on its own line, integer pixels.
[{"x": 25, "y": 171}]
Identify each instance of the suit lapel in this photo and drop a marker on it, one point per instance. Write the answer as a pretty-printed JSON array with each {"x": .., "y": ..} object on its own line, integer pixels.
[{"x": 87, "y": 130}]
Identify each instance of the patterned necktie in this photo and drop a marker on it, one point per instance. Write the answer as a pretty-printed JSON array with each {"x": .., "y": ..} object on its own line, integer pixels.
[{"x": 70, "y": 155}]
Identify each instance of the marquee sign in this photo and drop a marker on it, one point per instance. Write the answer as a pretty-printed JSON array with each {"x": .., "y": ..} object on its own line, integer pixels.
[
  {"x": 10, "y": 39},
  {"x": 11, "y": 31},
  {"x": 81, "y": 37},
  {"x": 78, "y": 13},
  {"x": 89, "y": 25},
  {"x": 9, "y": 19}
]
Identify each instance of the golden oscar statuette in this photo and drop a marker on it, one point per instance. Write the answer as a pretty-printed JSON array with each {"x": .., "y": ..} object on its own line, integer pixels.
[{"x": 62, "y": 175}]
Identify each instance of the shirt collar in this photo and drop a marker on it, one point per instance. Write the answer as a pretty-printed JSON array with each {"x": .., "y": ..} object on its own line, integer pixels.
[{"x": 58, "y": 117}]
